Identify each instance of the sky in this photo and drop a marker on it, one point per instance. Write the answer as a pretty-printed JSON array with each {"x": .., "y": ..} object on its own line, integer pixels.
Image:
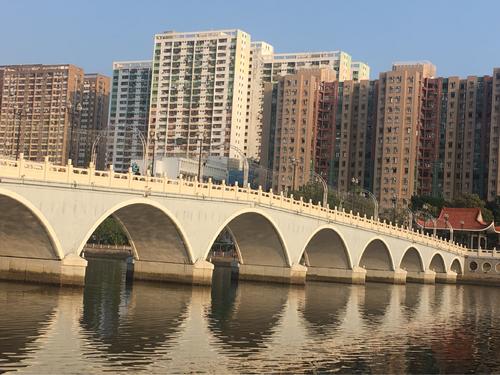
[{"x": 460, "y": 37}]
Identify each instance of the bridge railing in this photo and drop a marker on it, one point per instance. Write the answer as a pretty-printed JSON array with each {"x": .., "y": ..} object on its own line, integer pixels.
[{"x": 27, "y": 170}]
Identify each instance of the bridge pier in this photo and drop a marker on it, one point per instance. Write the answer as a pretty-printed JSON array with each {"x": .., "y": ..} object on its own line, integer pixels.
[
  {"x": 449, "y": 277},
  {"x": 68, "y": 271},
  {"x": 422, "y": 277},
  {"x": 337, "y": 275},
  {"x": 199, "y": 273},
  {"x": 296, "y": 274},
  {"x": 397, "y": 276}
]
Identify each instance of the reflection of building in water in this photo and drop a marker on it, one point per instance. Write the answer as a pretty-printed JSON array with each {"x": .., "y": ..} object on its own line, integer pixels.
[
  {"x": 130, "y": 328},
  {"x": 26, "y": 314},
  {"x": 247, "y": 315}
]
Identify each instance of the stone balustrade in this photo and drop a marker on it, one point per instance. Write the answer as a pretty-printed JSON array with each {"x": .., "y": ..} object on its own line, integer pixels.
[{"x": 90, "y": 177}]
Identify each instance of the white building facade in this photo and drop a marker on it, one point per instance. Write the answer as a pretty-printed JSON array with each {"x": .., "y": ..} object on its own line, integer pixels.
[
  {"x": 199, "y": 93},
  {"x": 128, "y": 113}
]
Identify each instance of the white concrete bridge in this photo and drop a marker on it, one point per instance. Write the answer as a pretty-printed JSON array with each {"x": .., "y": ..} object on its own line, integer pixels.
[{"x": 49, "y": 212}]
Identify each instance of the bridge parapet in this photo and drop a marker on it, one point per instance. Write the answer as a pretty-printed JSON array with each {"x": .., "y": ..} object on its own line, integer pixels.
[{"x": 47, "y": 172}]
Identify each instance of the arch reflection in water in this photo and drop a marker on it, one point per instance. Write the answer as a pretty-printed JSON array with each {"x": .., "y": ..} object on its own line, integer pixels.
[
  {"x": 132, "y": 326},
  {"x": 376, "y": 302},
  {"x": 244, "y": 318},
  {"x": 26, "y": 314},
  {"x": 325, "y": 307}
]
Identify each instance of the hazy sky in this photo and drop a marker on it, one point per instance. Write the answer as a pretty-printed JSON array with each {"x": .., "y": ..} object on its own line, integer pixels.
[{"x": 460, "y": 37}]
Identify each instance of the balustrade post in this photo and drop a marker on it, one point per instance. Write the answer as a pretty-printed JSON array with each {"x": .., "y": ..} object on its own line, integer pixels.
[
  {"x": 223, "y": 187},
  {"x": 181, "y": 183},
  {"x": 209, "y": 187},
  {"x": 235, "y": 189},
  {"x": 111, "y": 173},
  {"x": 281, "y": 199},
  {"x": 20, "y": 165},
  {"x": 90, "y": 172},
  {"x": 46, "y": 166},
  {"x": 259, "y": 193},
  {"x": 69, "y": 170}
]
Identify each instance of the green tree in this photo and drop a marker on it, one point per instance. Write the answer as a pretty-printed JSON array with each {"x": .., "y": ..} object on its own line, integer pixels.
[{"x": 110, "y": 232}]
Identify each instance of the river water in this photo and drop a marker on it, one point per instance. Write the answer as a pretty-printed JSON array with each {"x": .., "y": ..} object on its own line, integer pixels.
[{"x": 114, "y": 326}]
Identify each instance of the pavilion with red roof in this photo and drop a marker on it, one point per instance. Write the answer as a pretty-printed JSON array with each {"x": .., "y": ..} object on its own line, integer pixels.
[{"x": 465, "y": 225}]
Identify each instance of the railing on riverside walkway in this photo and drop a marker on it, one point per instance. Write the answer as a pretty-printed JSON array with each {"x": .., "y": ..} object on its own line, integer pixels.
[
  {"x": 485, "y": 253},
  {"x": 47, "y": 172}
]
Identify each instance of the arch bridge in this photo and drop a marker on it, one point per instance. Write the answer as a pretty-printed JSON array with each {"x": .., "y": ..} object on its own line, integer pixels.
[{"x": 49, "y": 212}]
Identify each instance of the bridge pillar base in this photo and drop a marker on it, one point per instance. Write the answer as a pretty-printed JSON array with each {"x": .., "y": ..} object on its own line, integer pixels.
[
  {"x": 68, "y": 271},
  {"x": 199, "y": 273},
  {"x": 449, "y": 277},
  {"x": 336, "y": 275},
  {"x": 422, "y": 277},
  {"x": 397, "y": 276},
  {"x": 285, "y": 275}
]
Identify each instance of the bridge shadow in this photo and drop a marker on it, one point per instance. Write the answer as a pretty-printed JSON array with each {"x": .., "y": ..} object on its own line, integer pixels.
[
  {"x": 325, "y": 306},
  {"x": 135, "y": 325},
  {"x": 243, "y": 316},
  {"x": 26, "y": 314}
]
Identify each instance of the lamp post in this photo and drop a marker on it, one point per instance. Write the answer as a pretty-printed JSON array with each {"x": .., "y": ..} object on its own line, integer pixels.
[
  {"x": 246, "y": 167},
  {"x": 375, "y": 202},
  {"x": 153, "y": 137},
  {"x": 294, "y": 163},
  {"x": 450, "y": 227},
  {"x": 354, "y": 182},
  {"x": 325, "y": 187},
  {"x": 201, "y": 137},
  {"x": 394, "y": 201}
]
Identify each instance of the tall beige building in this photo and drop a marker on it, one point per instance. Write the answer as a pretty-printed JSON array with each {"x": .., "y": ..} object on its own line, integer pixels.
[
  {"x": 40, "y": 110},
  {"x": 295, "y": 126},
  {"x": 268, "y": 67},
  {"x": 493, "y": 189},
  {"x": 199, "y": 93},
  {"x": 93, "y": 121},
  {"x": 397, "y": 131},
  {"x": 360, "y": 71},
  {"x": 259, "y": 53}
]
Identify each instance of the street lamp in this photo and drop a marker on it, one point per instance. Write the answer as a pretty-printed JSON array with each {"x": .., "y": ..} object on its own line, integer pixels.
[
  {"x": 325, "y": 187},
  {"x": 153, "y": 137},
  {"x": 246, "y": 167},
  {"x": 375, "y": 202},
  {"x": 354, "y": 182},
  {"x": 200, "y": 139},
  {"x": 450, "y": 227},
  {"x": 294, "y": 163}
]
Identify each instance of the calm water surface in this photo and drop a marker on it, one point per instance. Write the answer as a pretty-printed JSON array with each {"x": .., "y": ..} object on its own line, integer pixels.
[{"x": 246, "y": 327}]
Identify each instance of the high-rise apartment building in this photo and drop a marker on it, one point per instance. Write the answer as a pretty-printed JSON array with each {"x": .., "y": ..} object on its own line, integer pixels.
[
  {"x": 295, "y": 126},
  {"x": 128, "y": 113},
  {"x": 493, "y": 187},
  {"x": 259, "y": 52},
  {"x": 360, "y": 71},
  {"x": 269, "y": 67},
  {"x": 199, "y": 93},
  {"x": 397, "y": 132},
  {"x": 40, "y": 110},
  {"x": 93, "y": 122},
  {"x": 355, "y": 122}
]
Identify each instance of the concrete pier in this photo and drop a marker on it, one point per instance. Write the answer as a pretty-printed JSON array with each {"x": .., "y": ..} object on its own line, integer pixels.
[
  {"x": 68, "y": 271},
  {"x": 449, "y": 277},
  {"x": 199, "y": 273},
  {"x": 422, "y": 277},
  {"x": 355, "y": 276},
  {"x": 397, "y": 276},
  {"x": 285, "y": 275}
]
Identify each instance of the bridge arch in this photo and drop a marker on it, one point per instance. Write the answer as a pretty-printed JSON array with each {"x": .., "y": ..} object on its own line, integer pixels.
[
  {"x": 257, "y": 238},
  {"x": 437, "y": 263},
  {"x": 153, "y": 231},
  {"x": 34, "y": 238},
  {"x": 412, "y": 260},
  {"x": 456, "y": 266},
  {"x": 376, "y": 256},
  {"x": 327, "y": 248}
]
